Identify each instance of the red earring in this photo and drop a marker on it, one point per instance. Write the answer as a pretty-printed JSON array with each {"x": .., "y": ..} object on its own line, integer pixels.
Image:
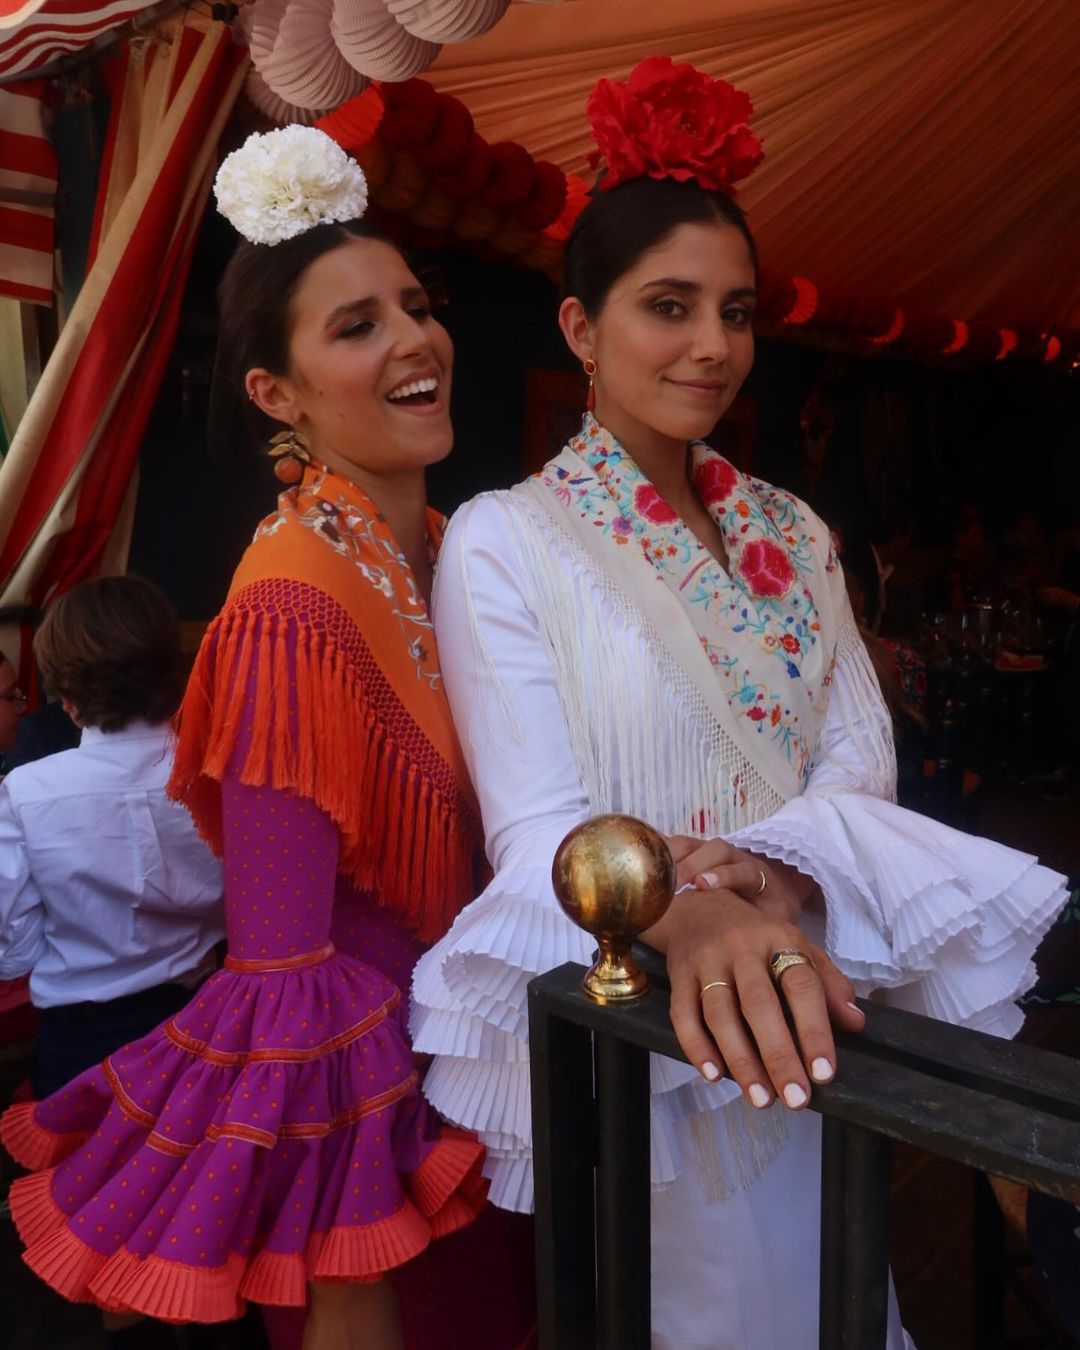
[{"x": 589, "y": 366}]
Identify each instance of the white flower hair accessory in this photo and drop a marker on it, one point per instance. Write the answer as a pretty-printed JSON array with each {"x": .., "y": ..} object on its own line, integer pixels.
[{"x": 281, "y": 183}]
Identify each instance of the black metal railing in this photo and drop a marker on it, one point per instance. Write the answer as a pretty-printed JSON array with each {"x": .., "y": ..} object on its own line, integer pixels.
[{"x": 1002, "y": 1108}]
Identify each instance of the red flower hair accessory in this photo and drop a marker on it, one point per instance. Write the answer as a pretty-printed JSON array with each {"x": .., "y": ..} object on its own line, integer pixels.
[{"x": 672, "y": 121}]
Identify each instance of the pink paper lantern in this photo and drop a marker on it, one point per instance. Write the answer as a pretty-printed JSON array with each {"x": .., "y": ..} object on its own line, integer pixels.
[
  {"x": 374, "y": 43},
  {"x": 282, "y": 114},
  {"x": 305, "y": 67},
  {"x": 447, "y": 20}
]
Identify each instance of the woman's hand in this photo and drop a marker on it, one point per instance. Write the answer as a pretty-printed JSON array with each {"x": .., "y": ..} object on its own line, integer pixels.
[
  {"x": 715, "y": 938},
  {"x": 714, "y": 864}
]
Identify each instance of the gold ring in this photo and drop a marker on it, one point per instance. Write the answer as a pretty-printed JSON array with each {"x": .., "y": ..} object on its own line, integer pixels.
[
  {"x": 715, "y": 984},
  {"x": 764, "y": 883},
  {"x": 785, "y": 959}
]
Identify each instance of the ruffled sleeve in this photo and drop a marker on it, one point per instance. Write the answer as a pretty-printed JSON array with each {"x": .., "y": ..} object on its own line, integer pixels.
[
  {"x": 944, "y": 921},
  {"x": 469, "y": 991}
]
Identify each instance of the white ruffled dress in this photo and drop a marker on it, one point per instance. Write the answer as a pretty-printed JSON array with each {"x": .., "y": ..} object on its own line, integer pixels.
[{"x": 946, "y": 923}]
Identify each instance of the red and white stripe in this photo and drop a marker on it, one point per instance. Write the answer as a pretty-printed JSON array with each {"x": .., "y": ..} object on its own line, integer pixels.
[
  {"x": 33, "y": 32},
  {"x": 64, "y": 483},
  {"x": 27, "y": 164}
]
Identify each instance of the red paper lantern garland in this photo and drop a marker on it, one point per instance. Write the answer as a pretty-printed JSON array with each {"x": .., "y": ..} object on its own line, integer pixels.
[{"x": 426, "y": 163}]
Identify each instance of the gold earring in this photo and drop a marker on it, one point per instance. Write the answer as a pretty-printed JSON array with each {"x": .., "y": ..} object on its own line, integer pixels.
[
  {"x": 290, "y": 455},
  {"x": 589, "y": 367}
]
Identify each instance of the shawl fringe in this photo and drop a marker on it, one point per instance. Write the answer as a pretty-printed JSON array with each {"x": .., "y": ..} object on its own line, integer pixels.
[{"x": 314, "y": 731}]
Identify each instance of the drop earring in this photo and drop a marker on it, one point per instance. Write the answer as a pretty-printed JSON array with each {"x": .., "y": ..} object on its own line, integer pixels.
[
  {"x": 589, "y": 367},
  {"x": 290, "y": 456}
]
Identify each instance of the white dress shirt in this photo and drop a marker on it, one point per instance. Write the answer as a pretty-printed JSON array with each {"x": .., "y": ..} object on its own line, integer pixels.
[{"x": 105, "y": 887}]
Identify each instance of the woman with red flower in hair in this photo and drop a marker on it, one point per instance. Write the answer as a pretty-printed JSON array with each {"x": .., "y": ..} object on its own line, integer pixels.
[{"x": 642, "y": 628}]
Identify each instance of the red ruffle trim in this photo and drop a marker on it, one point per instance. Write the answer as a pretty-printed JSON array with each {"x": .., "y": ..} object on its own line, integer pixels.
[
  {"x": 446, "y": 1192},
  {"x": 30, "y": 1144}
]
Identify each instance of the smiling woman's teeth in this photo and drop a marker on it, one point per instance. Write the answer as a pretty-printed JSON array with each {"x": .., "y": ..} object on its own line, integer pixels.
[{"x": 427, "y": 386}]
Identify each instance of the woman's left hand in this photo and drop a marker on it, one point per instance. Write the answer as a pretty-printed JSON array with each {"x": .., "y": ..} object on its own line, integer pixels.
[{"x": 714, "y": 864}]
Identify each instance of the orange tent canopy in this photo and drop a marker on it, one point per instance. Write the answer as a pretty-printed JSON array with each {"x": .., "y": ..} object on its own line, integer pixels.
[{"x": 922, "y": 150}]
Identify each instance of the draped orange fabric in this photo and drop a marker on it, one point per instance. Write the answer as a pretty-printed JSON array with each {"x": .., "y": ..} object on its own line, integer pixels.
[
  {"x": 326, "y": 635},
  {"x": 923, "y": 150}
]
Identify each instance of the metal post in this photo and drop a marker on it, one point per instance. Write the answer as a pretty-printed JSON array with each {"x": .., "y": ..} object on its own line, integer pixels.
[
  {"x": 564, "y": 1153},
  {"x": 854, "y": 1237},
  {"x": 988, "y": 1240},
  {"x": 622, "y": 1195}
]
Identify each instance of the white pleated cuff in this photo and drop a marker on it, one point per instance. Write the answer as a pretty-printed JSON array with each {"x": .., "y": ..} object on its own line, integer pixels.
[
  {"x": 945, "y": 921},
  {"x": 469, "y": 1013}
]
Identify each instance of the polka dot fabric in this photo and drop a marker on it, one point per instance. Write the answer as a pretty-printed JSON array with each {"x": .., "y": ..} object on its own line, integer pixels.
[{"x": 271, "y": 1133}]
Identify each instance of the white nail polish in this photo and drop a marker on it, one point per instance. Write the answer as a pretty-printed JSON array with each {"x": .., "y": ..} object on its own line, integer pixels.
[
  {"x": 795, "y": 1096},
  {"x": 710, "y": 880},
  {"x": 821, "y": 1071},
  {"x": 759, "y": 1096},
  {"x": 855, "y": 1008},
  {"x": 711, "y": 1072}
]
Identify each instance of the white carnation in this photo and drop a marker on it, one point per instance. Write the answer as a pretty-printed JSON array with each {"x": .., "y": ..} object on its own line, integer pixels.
[{"x": 281, "y": 183}]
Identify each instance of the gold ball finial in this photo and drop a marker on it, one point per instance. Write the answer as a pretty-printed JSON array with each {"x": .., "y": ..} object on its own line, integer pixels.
[{"x": 614, "y": 876}]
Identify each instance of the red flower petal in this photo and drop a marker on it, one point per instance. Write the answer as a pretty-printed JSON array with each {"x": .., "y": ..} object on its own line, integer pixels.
[
  {"x": 766, "y": 568},
  {"x": 715, "y": 479},
  {"x": 649, "y": 503}
]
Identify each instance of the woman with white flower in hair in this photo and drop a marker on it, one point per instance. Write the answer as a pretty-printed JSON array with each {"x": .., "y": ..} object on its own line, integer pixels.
[{"x": 270, "y": 1141}]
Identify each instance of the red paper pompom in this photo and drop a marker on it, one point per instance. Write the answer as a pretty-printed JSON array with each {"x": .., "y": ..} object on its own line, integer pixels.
[
  {"x": 512, "y": 176},
  {"x": 467, "y": 180},
  {"x": 450, "y": 139},
  {"x": 547, "y": 199},
  {"x": 412, "y": 113}
]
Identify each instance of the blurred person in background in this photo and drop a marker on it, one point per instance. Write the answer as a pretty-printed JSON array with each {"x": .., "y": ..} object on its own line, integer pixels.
[
  {"x": 12, "y": 707},
  {"x": 108, "y": 898}
]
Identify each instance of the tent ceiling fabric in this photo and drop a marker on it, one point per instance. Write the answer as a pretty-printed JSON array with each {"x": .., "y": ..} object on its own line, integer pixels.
[
  {"x": 923, "y": 150},
  {"x": 918, "y": 150}
]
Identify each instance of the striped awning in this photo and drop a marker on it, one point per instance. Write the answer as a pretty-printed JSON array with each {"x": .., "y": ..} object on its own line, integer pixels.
[
  {"x": 33, "y": 32},
  {"x": 27, "y": 188}
]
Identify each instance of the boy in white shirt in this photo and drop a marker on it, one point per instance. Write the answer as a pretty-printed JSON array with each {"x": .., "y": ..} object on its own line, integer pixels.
[{"x": 108, "y": 898}]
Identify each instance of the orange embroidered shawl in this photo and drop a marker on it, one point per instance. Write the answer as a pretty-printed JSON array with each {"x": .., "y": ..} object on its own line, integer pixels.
[{"x": 349, "y": 709}]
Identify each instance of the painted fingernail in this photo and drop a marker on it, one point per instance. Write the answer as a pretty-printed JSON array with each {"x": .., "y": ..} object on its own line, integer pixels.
[
  {"x": 821, "y": 1071},
  {"x": 711, "y": 1072},
  {"x": 709, "y": 878},
  {"x": 855, "y": 1008},
  {"x": 795, "y": 1096},
  {"x": 759, "y": 1096}
]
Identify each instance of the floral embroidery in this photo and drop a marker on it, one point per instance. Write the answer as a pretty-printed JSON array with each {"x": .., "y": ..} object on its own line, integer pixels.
[
  {"x": 766, "y": 567},
  {"x": 354, "y": 534},
  {"x": 649, "y": 503},
  {"x": 716, "y": 480},
  {"x": 757, "y": 621}
]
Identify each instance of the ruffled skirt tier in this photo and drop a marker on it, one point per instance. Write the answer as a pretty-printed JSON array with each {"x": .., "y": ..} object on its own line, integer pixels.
[{"x": 271, "y": 1134}]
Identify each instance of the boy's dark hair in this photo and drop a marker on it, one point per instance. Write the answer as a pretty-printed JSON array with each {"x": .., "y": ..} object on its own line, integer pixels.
[{"x": 112, "y": 648}]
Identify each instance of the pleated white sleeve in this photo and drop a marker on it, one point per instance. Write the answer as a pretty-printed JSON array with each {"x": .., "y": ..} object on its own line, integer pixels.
[
  {"x": 944, "y": 921},
  {"x": 468, "y": 1005}
]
